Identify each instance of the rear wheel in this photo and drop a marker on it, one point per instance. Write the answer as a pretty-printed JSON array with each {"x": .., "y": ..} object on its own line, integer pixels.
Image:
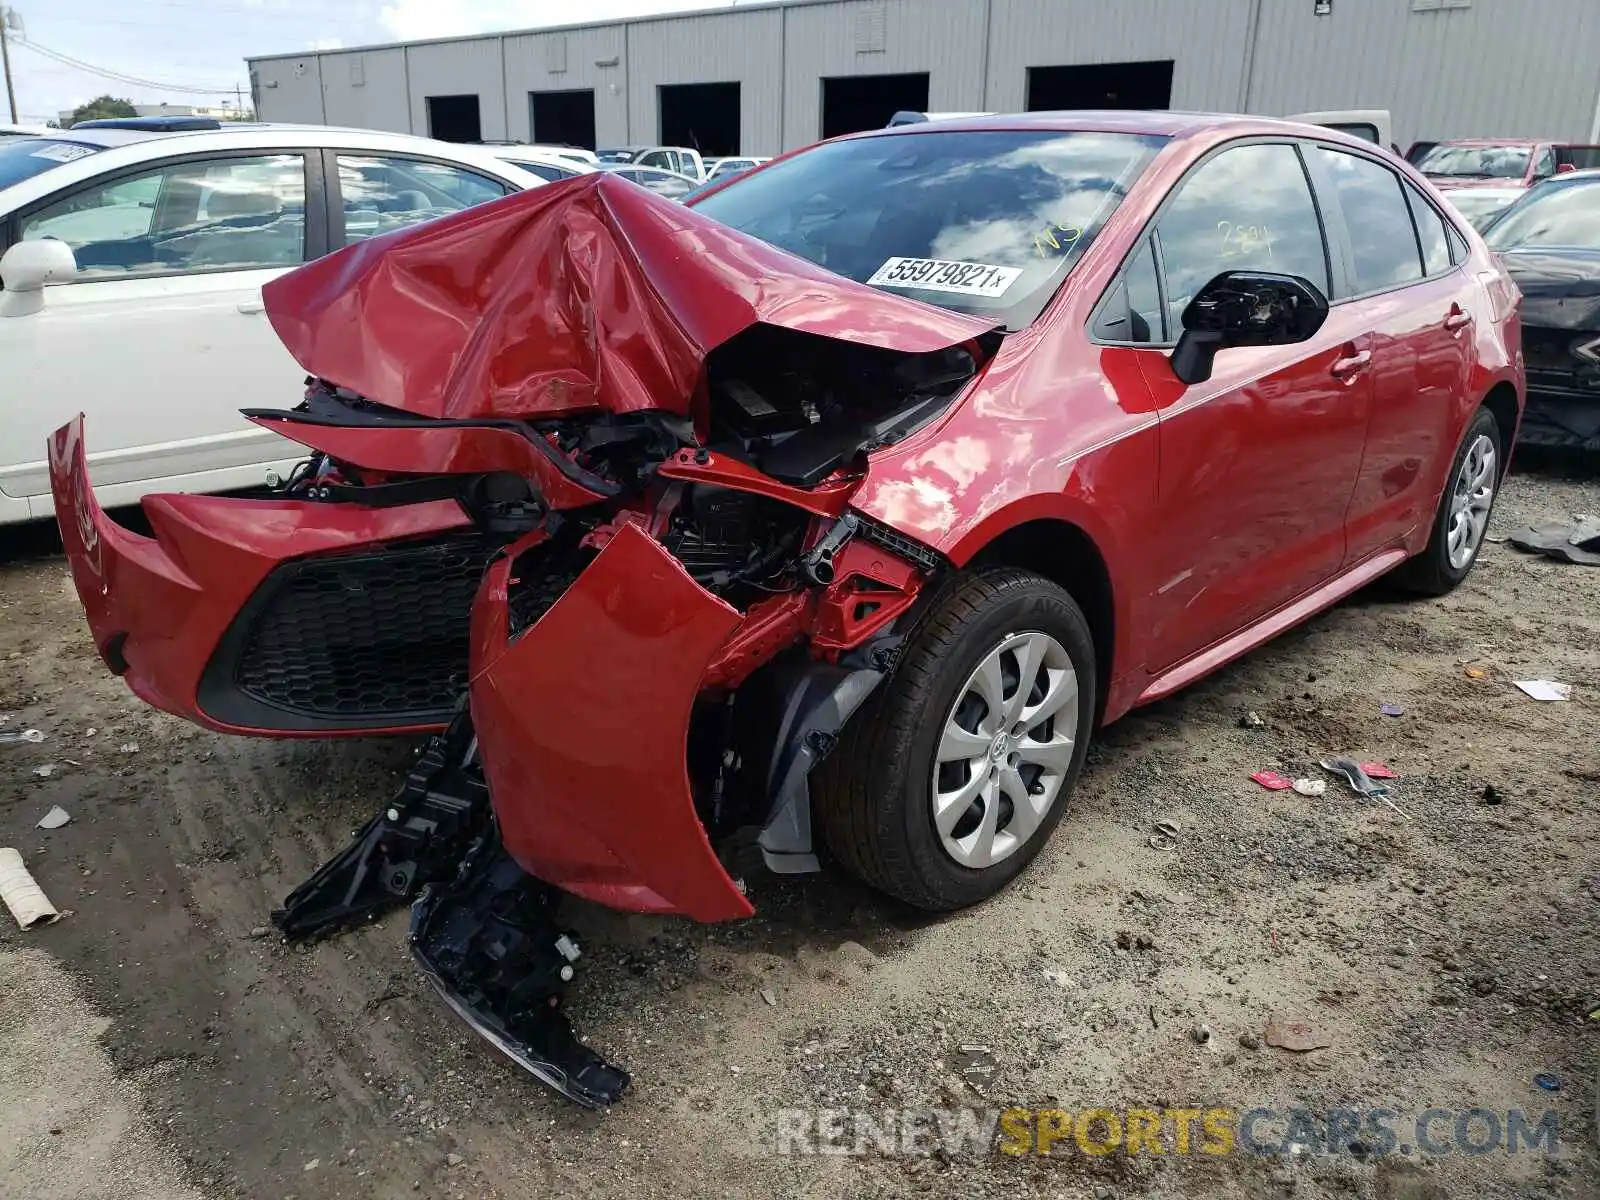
[
  {"x": 945, "y": 787},
  {"x": 1463, "y": 516}
]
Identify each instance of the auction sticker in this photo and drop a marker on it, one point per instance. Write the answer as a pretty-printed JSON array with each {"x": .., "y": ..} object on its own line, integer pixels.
[
  {"x": 941, "y": 275},
  {"x": 62, "y": 152}
]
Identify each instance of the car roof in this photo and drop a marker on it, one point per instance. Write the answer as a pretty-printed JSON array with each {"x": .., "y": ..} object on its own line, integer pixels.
[
  {"x": 1152, "y": 122},
  {"x": 1491, "y": 142},
  {"x": 121, "y": 148}
]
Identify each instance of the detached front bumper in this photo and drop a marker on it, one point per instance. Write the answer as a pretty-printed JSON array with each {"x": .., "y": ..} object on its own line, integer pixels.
[
  {"x": 582, "y": 726},
  {"x": 256, "y": 616}
]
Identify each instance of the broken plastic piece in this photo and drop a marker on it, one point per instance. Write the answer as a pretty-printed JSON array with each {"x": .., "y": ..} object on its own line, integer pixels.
[
  {"x": 1393, "y": 710},
  {"x": 419, "y": 837},
  {"x": 26, "y": 735},
  {"x": 1311, "y": 787},
  {"x": 1272, "y": 781},
  {"x": 22, "y": 895},
  {"x": 54, "y": 819},
  {"x": 1378, "y": 771},
  {"x": 1545, "y": 689},
  {"x": 488, "y": 943}
]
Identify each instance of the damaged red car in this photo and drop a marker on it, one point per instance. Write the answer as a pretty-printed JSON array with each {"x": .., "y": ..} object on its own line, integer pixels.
[{"x": 840, "y": 507}]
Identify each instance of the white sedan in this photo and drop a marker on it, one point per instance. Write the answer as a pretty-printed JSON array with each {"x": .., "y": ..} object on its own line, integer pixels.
[{"x": 132, "y": 268}]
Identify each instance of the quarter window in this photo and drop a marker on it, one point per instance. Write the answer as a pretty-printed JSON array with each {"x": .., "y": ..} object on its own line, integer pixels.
[
  {"x": 385, "y": 194},
  {"x": 1383, "y": 241},
  {"x": 1430, "y": 233},
  {"x": 231, "y": 214},
  {"x": 1248, "y": 208},
  {"x": 1132, "y": 311}
]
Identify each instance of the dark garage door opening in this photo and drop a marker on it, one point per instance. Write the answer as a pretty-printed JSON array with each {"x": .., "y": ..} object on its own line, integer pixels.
[
  {"x": 563, "y": 118},
  {"x": 851, "y": 103},
  {"x": 1101, "y": 85},
  {"x": 454, "y": 119},
  {"x": 703, "y": 116}
]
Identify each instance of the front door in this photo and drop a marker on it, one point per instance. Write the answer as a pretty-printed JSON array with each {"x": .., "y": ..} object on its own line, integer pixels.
[
  {"x": 161, "y": 338},
  {"x": 1258, "y": 462}
]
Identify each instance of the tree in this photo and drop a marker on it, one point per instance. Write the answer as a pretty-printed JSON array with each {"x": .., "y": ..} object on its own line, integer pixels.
[{"x": 102, "y": 106}]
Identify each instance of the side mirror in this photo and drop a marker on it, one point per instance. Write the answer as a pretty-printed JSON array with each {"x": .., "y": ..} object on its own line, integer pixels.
[
  {"x": 1245, "y": 308},
  {"x": 26, "y": 268}
]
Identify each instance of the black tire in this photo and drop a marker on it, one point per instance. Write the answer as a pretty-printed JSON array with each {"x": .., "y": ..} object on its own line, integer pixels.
[
  {"x": 873, "y": 792},
  {"x": 1430, "y": 572}
]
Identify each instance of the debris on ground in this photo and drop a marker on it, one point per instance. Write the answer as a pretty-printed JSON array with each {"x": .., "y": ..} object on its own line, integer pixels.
[
  {"x": 1545, "y": 689},
  {"x": 1474, "y": 671},
  {"x": 1393, "y": 710},
  {"x": 129, "y": 748},
  {"x": 54, "y": 819},
  {"x": 1355, "y": 775},
  {"x": 1549, "y": 1083},
  {"x": 1311, "y": 787},
  {"x": 1058, "y": 977},
  {"x": 18, "y": 737},
  {"x": 772, "y": 1000},
  {"x": 1574, "y": 543},
  {"x": 1298, "y": 1034},
  {"x": 24, "y": 897},
  {"x": 1251, "y": 720},
  {"x": 1377, "y": 770},
  {"x": 1272, "y": 781},
  {"x": 1166, "y": 835},
  {"x": 45, "y": 770},
  {"x": 1491, "y": 794},
  {"x": 1201, "y": 1035}
]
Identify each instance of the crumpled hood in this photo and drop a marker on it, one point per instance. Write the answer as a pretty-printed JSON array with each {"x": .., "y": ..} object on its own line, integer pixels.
[
  {"x": 589, "y": 293},
  {"x": 1560, "y": 288}
]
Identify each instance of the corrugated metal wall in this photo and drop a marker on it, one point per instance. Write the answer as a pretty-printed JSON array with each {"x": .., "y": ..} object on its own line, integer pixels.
[
  {"x": 362, "y": 89},
  {"x": 1497, "y": 68},
  {"x": 732, "y": 47},
  {"x": 942, "y": 37},
  {"x": 1444, "y": 68},
  {"x": 1206, "y": 42},
  {"x": 572, "y": 60}
]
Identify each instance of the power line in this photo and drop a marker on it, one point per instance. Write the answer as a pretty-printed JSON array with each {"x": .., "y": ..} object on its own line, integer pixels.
[{"x": 117, "y": 76}]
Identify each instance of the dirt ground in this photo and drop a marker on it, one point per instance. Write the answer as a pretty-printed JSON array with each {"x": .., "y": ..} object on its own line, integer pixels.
[{"x": 158, "y": 1043}]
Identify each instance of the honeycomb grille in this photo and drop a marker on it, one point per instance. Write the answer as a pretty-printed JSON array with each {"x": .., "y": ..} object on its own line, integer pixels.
[{"x": 377, "y": 633}]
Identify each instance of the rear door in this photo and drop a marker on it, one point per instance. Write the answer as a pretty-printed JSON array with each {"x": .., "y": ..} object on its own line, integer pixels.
[
  {"x": 1396, "y": 275},
  {"x": 161, "y": 337},
  {"x": 1258, "y": 462}
]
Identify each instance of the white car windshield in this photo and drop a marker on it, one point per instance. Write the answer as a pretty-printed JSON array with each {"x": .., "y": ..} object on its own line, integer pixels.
[
  {"x": 24, "y": 157},
  {"x": 983, "y": 222}
]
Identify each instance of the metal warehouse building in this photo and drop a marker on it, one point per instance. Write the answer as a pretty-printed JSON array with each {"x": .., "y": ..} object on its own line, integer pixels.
[{"x": 758, "y": 79}]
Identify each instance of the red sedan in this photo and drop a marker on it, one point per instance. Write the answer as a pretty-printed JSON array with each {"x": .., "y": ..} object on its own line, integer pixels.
[{"x": 840, "y": 506}]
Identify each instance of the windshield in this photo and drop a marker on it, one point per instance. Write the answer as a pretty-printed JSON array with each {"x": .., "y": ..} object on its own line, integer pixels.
[
  {"x": 1557, "y": 214},
  {"x": 985, "y": 222},
  {"x": 24, "y": 157},
  {"x": 1476, "y": 162},
  {"x": 616, "y": 156}
]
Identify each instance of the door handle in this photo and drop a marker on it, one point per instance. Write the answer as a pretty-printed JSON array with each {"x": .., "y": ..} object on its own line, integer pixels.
[
  {"x": 1351, "y": 365},
  {"x": 252, "y": 306},
  {"x": 1457, "y": 319}
]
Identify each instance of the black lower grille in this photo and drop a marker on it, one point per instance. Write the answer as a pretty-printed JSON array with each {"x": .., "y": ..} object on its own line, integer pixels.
[{"x": 354, "y": 640}]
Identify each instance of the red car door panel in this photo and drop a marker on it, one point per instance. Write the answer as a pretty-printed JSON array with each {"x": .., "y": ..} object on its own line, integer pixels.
[
  {"x": 1257, "y": 463},
  {"x": 1257, "y": 467}
]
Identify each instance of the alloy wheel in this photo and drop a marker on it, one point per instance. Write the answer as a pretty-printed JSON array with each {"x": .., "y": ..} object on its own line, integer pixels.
[
  {"x": 1005, "y": 748},
  {"x": 1470, "y": 500}
]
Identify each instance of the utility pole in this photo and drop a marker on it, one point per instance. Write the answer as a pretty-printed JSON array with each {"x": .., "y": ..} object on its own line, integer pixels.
[{"x": 5, "y": 61}]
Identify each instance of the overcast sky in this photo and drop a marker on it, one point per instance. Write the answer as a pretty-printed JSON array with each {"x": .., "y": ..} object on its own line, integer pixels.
[{"x": 202, "y": 44}]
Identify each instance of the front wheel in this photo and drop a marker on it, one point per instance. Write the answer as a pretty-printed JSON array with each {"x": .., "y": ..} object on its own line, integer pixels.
[
  {"x": 1463, "y": 515},
  {"x": 947, "y": 784}
]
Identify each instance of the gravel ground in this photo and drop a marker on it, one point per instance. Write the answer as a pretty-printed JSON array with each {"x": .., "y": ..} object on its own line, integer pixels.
[{"x": 161, "y": 1044}]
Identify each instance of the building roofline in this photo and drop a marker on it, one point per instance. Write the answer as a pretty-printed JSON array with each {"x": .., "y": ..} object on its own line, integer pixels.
[{"x": 754, "y": 6}]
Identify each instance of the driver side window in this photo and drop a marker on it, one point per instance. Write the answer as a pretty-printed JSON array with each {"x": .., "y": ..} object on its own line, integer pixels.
[
  {"x": 230, "y": 214},
  {"x": 1248, "y": 208}
]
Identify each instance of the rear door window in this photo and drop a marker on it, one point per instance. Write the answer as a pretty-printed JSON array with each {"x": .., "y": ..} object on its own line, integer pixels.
[
  {"x": 1248, "y": 208},
  {"x": 1383, "y": 241},
  {"x": 382, "y": 194}
]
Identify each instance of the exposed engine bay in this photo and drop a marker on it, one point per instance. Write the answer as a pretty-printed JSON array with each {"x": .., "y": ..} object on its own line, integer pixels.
[{"x": 750, "y": 499}]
